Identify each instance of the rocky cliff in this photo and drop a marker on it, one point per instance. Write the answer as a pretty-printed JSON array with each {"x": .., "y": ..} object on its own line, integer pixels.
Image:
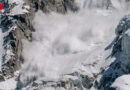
[
  {"x": 120, "y": 50},
  {"x": 15, "y": 27}
]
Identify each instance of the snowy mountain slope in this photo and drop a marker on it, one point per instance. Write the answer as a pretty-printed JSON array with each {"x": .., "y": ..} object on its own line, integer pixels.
[
  {"x": 120, "y": 50},
  {"x": 122, "y": 83},
  {"x": 9, "y": 84},
  {"x": 70, "y": 40},
  {"x": 66, "y": 52}
]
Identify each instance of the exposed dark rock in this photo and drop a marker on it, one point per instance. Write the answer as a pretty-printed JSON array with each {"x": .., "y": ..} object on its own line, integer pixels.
[
  {"x": 46, "y": 6},
  {"x": 120, "y": 50},
  {"x": 80, "y": 82},
  {"x": 17, "y": 27}
]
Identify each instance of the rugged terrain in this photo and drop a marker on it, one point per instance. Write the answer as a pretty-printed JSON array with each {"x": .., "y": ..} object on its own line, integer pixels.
[{"x": 74, "y": 40}]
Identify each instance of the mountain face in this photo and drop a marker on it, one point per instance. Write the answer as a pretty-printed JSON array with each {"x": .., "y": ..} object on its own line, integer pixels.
[{"x": 65, "y": 45}]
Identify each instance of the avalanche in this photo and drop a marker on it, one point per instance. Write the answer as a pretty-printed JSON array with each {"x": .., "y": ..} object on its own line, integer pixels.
[
  {"x": 65, "y": 45},
  {"x": 66, "y": 42}
]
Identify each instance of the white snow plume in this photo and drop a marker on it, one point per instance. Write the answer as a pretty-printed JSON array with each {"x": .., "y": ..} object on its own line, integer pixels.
[
  {"x": 62, "y": 42},
  {"x": 120, "y": 5}
]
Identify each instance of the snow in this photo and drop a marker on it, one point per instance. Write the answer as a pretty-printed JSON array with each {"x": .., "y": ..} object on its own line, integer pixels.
[
  {"x": 9, "y": 84},
  {"x": 65, "y": 43},
  {"x": 128, "y": 32},
  {"x": 81, "y": 3},
  {"x": 119, "y": 4},
  {"x": 18, "y": 9},
  {"x": 8, "y": 54},
  {"x": 122, "y": 82}
]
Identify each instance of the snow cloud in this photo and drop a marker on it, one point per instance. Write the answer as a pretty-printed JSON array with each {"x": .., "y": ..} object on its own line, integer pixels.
[{"x": 63, "y": 42}]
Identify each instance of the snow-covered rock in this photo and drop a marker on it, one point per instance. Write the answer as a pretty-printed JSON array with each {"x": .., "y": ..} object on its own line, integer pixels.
[
  {"x": 17, "y": 7},
  {"x": 120, "y": 50},
  {"x": 122, "y": 83},
  {"x": 12, "y": 36}
]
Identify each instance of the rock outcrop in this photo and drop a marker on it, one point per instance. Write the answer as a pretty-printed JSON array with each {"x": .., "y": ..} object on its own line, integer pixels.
[
  {"x": 73, "y": 81},
  {"x": 15, "y": 28},
  {"x": 47, "y": 6},
  {"x": 120, "y": 50}
]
